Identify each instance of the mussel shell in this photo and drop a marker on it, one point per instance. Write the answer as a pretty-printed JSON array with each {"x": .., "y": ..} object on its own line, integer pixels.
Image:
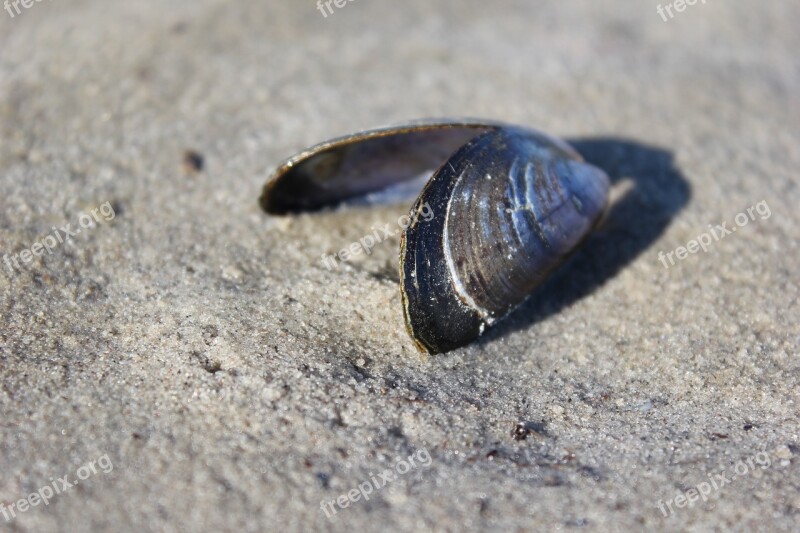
[{"x": 508, "y": 207}]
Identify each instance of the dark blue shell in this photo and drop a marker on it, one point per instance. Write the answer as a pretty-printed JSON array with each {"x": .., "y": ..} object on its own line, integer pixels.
[{"x": 509, "y": 205}]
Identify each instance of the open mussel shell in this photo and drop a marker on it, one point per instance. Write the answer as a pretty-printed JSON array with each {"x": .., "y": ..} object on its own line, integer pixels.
[{"x": 509, "y": 205}]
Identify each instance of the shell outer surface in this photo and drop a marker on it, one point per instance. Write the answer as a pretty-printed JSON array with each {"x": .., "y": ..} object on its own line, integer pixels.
[{"x": 508, "y": 207}]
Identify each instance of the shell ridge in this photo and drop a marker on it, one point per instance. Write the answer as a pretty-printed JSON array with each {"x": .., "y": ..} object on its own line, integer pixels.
[
  {"x": 535, "y": 208},
  {"x": 455, "y": 280}
]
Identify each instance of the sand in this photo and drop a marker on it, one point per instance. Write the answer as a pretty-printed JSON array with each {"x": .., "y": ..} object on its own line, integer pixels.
[{"x": 193, "y": 365}]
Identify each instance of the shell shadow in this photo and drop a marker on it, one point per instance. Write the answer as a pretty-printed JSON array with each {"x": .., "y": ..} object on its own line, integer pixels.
[{"x": 634, "y": 221}]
